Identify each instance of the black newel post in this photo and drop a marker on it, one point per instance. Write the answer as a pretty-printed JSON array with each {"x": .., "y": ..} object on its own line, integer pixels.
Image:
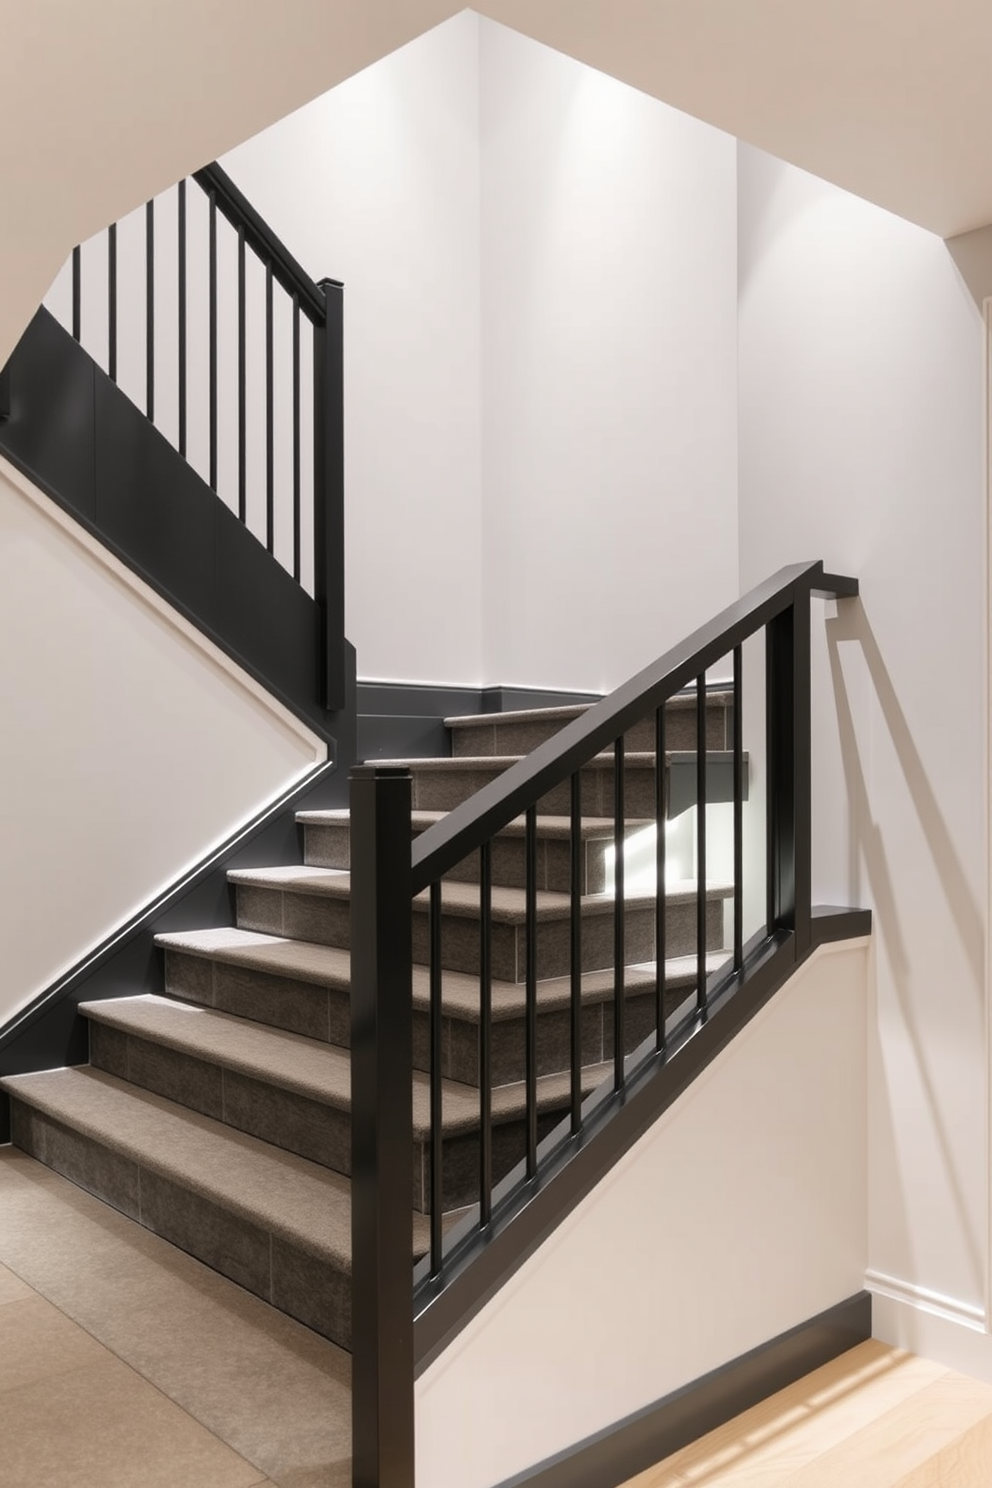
[
  {"x": 381, "y": 1129},
  {"x": 5, "y": 392},
  {"x": 328, "y": 493},
  {"x": 789, "y": 729}
]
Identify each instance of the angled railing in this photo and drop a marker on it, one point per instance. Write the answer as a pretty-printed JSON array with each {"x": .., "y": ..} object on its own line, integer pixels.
[
  {"x": 198, "y": 312},
  {"x": 399, "y": 1325}
]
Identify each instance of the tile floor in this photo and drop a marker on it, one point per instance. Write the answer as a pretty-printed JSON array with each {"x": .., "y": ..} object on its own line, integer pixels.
[{"x": 127, "y": 1364}]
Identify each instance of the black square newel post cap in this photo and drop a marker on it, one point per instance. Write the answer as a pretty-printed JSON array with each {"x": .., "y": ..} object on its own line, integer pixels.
[{"x": 381, "y": 1129}]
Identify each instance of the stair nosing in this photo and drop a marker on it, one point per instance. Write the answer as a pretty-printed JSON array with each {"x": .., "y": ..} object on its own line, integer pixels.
[
  {"x": 681, "y": 701},
  {"x": 550, "y": 827},
  {"x": 335, "y": 884}
]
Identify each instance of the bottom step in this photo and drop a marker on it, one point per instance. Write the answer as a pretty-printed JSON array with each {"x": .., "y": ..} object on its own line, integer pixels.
[{"x": 275, "y": 1223}]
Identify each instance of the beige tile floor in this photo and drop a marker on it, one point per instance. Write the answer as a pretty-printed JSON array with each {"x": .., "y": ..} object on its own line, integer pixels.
[{"x": 124, "y": 1362}]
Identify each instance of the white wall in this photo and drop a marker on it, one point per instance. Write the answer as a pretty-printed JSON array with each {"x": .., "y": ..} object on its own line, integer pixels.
[
  {"x": 861, "y": 443},
  {"x": 741, "y": 1213},
  {"x": 129, "y": 746},
  {"x": 609, "y": 370},
  {"x": 540, "y": 355},
  {"x": 377, "y": 184}
]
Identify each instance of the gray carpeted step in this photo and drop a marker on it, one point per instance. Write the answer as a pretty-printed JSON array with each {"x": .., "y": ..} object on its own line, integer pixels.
[
  {"x": 304, "y": 987},
  {"x": 327, "y": 844},
  {"x": 313, "y": 904},
  {"x": 271, "y": 1221},
  {"x": 520, "y": 732},
  {"x": 295, "y": 1093},
  {"x": 443, "y": 784}
]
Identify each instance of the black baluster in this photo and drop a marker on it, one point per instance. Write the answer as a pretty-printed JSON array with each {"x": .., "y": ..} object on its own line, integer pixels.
[
  {"x": 701, "y": 843},
  {"x": 328, "y": 492},
  {"x": 738, "y": 817},
  {"x": 619, "y": 907},
  {"x": 485, "y": 1034},
  {"x": 575, "y": 927},
  {"x": 212, "y": 390},
  {"x": 181, "y": 247},
  {"x": 150, "y": 310},
  {"x": 270, "y": 467},
  {"x": 530, "y": 929},
  {"x": 112, "y": 302},
  {"x": 296, "y": 437},
  {"x": 242, "y": 382},
  {"x": 437, "y": 1128},
  {"x": 77, "y": 293},
  {"x": 660, "y": 902}
]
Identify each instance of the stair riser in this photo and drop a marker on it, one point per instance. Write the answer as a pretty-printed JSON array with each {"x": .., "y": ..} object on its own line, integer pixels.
[
  {"x": 326, "y": 921},
  {"x": 286, "y": 1004},
  {"x": 305, "y": 1286},
  {"x": 316, "y": 1011},
  {"x": 285, "y": 1118},
  {"x": 460, "y": 1167},
  {"x": 438, "y": 789},
  {"x": 329, "y": 847},
  {"x": 460, "y": 941},
  {"x": 520, "y": 738},
  {"x": 460, "y": 1038}
]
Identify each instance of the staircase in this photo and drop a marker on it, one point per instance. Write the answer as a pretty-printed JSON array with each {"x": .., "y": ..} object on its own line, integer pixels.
[{"x": 217, "y": 1114}]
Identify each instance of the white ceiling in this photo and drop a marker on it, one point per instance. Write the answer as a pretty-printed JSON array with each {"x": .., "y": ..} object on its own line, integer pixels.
[{"x": 104, "y": 104}]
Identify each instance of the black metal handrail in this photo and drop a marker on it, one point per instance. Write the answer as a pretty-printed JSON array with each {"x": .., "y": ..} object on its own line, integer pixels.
[
  {"x": 392, "y": 875},
  {"x": 318, "y": 304}
]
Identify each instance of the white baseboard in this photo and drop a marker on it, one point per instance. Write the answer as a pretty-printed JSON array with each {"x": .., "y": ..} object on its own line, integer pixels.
[
  {"x": 951, "y": 1332},
  {"x": 963, "y": 1314}
]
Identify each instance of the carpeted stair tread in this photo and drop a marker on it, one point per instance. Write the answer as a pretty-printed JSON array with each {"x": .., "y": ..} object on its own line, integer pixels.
[
  {"x": 565, "y": 713},
  {"x": 558, "y": 828},
  {"x": 461, "y": 1102},
  {"x": 508, "y": 905},
  {"x": 318, "y": 1070},
  {"x": 306, "y": 1066},
  {"x": 299, "y": 960},
  {"x": 634, "y": 759},
  {"x": 307, "y": 1205},
  {"x": 461, "y": 993}
]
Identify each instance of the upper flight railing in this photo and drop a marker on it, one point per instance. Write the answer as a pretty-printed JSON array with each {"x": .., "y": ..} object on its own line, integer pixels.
[
  {"x": 241, "y": 357},
  {"x": 393, "y": 874}
]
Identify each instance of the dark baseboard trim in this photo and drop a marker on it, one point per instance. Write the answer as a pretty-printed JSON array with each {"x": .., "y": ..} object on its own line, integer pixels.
[
  {"x": 617, "y": 1453},
  {"x": 438, "y": 700},
  {"x": 49, "y": 1032}
]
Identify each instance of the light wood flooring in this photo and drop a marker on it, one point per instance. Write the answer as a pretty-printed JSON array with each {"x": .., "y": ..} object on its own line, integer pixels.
[{"x": 877, "y": 1417}]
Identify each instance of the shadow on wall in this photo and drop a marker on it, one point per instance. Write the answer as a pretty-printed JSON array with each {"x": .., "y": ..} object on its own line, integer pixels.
[
  {"x": 851, "y": 625},
  {"x": 972, "y": 253}
]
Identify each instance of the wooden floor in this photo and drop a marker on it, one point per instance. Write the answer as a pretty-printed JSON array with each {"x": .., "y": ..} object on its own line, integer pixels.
[{"x": 875, "y": 1418}]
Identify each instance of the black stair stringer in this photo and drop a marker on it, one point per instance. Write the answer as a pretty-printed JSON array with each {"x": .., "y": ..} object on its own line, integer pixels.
[{"x": 83, "y": 442}]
